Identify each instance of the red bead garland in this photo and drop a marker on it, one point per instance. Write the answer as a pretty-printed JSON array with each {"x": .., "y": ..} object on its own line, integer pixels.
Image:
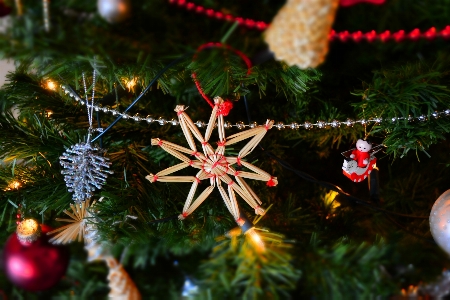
[
  {"x": 260, "y": 25},
  {"x": 343, "y": 36}
]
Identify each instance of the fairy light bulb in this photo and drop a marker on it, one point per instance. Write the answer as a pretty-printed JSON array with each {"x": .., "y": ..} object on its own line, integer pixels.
[
  {"x": 130, "y": 83},
  {"x": 411, "y": 291},
  {"x": 255, "y": 239},
  {"x": 246, "y": 227},
  {"x": 50, "y": 85},
  {"x": 330, "y": 200},
  {"x": 28, "y": 231},
  {"x": 14, "y": 185}
]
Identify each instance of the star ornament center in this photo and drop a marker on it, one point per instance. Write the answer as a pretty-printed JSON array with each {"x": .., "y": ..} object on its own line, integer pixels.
[
  {"x": 216, "y": 165},
  {"x": 213, "y": 165}
]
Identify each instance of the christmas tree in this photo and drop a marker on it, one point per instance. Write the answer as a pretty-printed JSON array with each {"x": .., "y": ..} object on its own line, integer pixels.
[{"x": 225, "y": 150}]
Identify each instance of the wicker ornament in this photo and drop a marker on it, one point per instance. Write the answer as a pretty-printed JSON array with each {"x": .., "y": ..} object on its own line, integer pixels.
[
  {"x": 298, "y": 35},
  {"x": 83, "y": 226},
  {"x": 213, "y": 165}
]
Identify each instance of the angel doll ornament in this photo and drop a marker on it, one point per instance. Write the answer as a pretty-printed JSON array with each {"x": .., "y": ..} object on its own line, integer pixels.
[{"x": 359, "y": 162}]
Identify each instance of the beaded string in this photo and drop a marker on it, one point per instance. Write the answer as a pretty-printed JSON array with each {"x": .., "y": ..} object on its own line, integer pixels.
[
  {"x": 342, "y": 36},
  {"x": 227, "y": 105},
  {"x": 279, "y": 125},
  {"x": 46, "y": 14}
]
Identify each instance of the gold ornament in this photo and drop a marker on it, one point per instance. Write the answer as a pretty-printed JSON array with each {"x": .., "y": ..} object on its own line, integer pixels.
[
  {"x": 28, "y": 231},
  {"x": 298, "y": 35},
  {"x": 83, "y": 226}
]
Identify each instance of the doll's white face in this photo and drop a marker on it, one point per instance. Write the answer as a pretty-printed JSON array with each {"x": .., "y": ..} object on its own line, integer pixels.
[{"x": 363, "y": 146}]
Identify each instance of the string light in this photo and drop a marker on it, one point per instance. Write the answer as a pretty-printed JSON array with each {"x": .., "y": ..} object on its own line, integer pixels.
[
  {"x": 14, "y": 185},
  {"x": 130, "y": 83},
  {"x": 342, "y": 36},
  {"x": 278, "y": 125},
  {"x": 410, "y": 292},
  {"x": 330, "y": 198},
  {"x": 50, "y": 85},
  {"x": 255, "y": 239}
]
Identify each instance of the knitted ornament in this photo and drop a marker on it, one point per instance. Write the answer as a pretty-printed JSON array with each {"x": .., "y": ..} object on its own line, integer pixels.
[{"x": 299, "y": 32}]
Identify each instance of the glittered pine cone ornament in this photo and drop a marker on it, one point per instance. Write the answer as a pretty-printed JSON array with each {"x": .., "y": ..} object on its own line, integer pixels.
[{"x": 298, "y": 35}]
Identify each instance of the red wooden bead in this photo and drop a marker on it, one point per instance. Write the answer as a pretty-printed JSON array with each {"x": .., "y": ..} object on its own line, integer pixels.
[
  {"x": 229, "y": 18},
  {"x": 415, "y": 34},
  {"x": 399, "y": 36},
  {"x": 370, "y": 36},
  {"x": 239, "y": 20},
  {"x": 431, "y": 33},
  {"x": 385, "y": 36}
]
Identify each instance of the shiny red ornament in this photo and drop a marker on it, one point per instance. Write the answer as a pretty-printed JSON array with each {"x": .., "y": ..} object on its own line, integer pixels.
[
  {"x": 4, "y": 9},
  {"x": 35, "y": 266}
]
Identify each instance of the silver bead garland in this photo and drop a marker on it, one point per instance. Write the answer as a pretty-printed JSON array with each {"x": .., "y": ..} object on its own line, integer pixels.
[{"x": 279, "y": 125}]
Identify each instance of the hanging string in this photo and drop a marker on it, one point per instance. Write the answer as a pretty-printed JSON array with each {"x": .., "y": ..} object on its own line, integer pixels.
[
  {"x": 227, "y": 105},
  {"x": 342, "y": 36},
  {"x": 90, "y": 106}
]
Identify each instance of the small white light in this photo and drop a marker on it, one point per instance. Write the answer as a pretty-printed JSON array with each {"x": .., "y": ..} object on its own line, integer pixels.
[{"x": 51, "y": 85}]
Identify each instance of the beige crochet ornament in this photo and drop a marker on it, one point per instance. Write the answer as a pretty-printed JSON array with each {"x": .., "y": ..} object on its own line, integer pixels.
[{"x": 298, "y": 35}]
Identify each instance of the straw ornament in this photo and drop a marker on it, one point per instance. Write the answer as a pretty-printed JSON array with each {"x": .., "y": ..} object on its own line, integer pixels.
[
  {"x": 83, "y": 226},
  {"x": 213, "y": 165},
  {"x": 299, "y": 32}
]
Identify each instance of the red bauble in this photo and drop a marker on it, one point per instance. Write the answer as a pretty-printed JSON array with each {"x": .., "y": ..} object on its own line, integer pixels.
[
  {"x": 36, "y": 266},
  {"x": 4, "y": 10}
]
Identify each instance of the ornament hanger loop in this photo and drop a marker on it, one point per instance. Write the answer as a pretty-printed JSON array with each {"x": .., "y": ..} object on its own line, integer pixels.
[
  {"x": 90, "y": 106},
  {"x": 225, "y": 109}
]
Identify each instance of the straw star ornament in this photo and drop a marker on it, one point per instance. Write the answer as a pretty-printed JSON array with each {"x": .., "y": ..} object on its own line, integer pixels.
[
  {"x": 83, "y": 226},
  {"x": 213, "y": 165}
]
